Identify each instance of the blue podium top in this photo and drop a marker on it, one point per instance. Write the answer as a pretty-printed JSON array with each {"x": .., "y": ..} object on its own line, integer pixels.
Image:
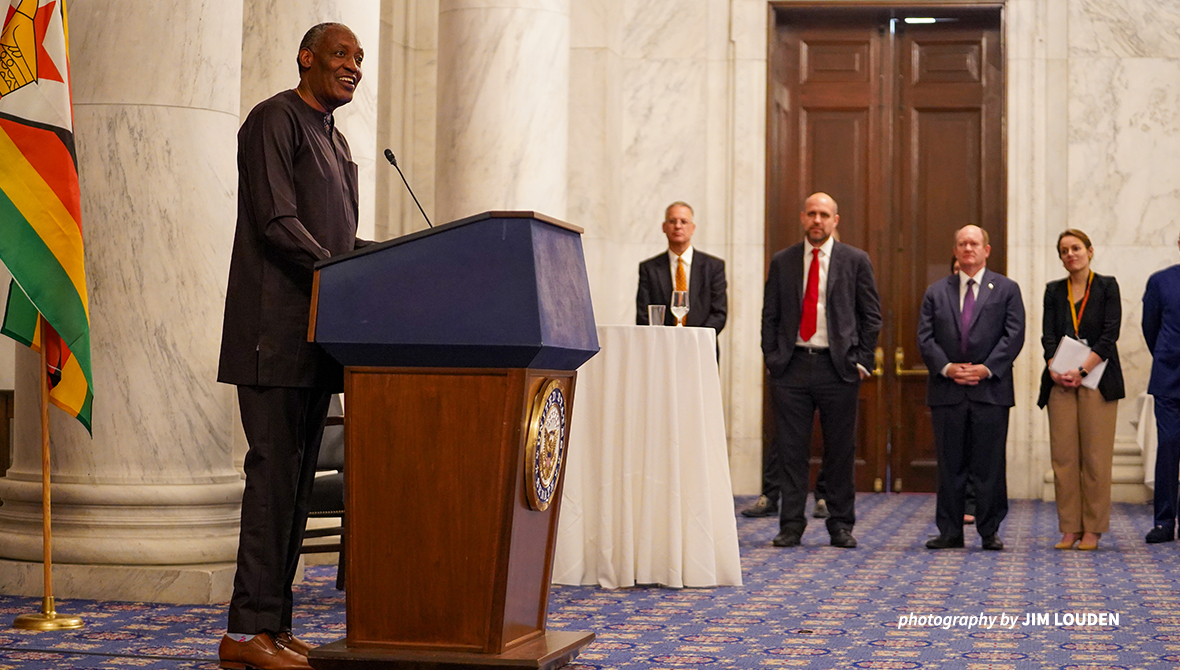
[{"x": 499, "y": 289}]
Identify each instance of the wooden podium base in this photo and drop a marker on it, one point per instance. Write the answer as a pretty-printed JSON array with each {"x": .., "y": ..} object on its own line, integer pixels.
[{"x": 551, "y": 650}]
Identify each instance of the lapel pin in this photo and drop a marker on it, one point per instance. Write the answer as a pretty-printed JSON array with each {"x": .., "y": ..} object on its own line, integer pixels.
[{"x": 990, "y": 286}]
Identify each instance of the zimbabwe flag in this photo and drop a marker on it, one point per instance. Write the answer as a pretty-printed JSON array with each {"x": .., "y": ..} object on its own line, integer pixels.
[{"x": 40, "y": 219}]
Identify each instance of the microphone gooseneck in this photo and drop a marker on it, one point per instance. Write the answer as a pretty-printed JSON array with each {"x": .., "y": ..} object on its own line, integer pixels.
[{"x": 393, "y": 161}]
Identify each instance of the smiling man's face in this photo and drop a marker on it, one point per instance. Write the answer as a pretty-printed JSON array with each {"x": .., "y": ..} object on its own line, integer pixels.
[{"x": 333, "y": 68}]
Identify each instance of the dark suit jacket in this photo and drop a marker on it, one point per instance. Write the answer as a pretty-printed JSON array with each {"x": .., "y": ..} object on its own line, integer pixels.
[
  {"x": 996, "y": 337},
  {"x": 1099, "y": 326},
  {"x": 707, "y": 302},
  {"x": 1161, "y": 329},
  {"x": 852, "y": 306}
]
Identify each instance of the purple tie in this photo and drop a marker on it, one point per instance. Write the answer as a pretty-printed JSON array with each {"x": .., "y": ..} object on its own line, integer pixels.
[{"x": 965, "y": 320}]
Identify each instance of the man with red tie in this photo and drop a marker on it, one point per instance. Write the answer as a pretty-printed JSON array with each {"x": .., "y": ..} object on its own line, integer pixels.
[{"x": 820, "y": 320}]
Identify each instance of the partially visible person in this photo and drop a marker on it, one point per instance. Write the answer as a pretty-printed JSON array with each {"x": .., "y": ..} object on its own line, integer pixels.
[
  {"x": 821, "y": 316},
  {"x": 970, "y": 330},
  {"x": 297, "y": 204},
  {"x": 1161, "y": 329},
  {"x": 683, "y": 268},
  {"x": 1085, "y": 306},
  {"x": 767, "y": 503}
]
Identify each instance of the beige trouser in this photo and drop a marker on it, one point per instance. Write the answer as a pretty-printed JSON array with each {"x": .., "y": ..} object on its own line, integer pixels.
[{"x": 1081, "y": 443}]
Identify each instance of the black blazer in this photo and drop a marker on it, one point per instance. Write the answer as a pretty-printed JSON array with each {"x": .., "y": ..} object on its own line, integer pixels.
[
  {"x": 996, "y": 337},
  {"x": 1099, "y": 326},
  {"x": 853, "y": 310},
  {"x": 707, "y": 302}
]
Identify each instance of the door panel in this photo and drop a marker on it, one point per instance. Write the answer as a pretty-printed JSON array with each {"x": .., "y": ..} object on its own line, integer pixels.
[
  {"x": 949, "y": 134},
  {"x": 903, "y": 126}
]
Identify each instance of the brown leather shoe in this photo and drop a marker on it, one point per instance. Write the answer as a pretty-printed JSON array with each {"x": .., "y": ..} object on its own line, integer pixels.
[
  {"x": 293, "y": 643},
  {"x": 260, "y": 652}
]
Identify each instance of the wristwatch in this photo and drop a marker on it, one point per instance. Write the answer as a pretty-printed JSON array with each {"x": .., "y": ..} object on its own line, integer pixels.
[{"x": 1082, "y": 371}]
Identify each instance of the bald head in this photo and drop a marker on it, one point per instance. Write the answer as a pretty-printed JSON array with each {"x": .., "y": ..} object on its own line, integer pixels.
[
  {"x": 821, "y": 197},
  {"x": 819, "y": 218}
]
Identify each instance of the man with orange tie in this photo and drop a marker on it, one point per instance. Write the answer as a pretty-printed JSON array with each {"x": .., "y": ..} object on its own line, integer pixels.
[
  {"x": 683, "y": 268},
  {"x": 820, "y": 320}
]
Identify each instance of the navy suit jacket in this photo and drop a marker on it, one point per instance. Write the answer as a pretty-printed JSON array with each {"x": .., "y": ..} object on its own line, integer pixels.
[
  {"x": 852, "y": 306},
  {"x": 1161, "y": 329},
  {"x": 707, "y": 302},
  {"x": 996, "y": 335}
]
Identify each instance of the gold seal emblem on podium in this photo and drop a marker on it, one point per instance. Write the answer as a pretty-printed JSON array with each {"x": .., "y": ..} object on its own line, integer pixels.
[{"x": 545, "y": 447}]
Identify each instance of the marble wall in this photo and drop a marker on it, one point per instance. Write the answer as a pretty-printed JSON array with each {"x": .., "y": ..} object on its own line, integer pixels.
[
  {"x": 503, "y": 117},
  {"x": 1123, "y": 149},
  {"x": 406, "y": 110}
]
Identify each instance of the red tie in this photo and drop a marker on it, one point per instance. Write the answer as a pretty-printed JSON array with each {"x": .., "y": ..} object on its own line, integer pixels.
[{"x": 810, "y": 299}]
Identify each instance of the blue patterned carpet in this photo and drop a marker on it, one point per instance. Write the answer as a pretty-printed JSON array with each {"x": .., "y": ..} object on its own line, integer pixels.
[{"x": 809, "y": 607}]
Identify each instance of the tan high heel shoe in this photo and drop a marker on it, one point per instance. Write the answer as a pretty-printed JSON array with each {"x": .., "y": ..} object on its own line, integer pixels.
[
  {"x": 1089, "y": 541},
  {"x": 1068, "y": 540}
]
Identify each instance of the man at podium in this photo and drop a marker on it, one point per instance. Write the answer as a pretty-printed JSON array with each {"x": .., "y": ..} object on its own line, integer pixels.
[
  {"x": 683, "y": 268},
  {"x": 297, "y": 204}
]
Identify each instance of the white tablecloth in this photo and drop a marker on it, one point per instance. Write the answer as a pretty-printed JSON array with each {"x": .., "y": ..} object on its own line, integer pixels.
[
  {"x": 647, "y": 495},
  {"x": 1145, "y": 435}
]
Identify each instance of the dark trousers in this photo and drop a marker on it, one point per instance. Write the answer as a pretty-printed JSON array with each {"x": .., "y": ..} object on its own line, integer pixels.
[
  {"x": 771, "y": 476},
  {"x": 970, "y": 439},
  {"x": 811, "y": 383},
  {"x": 283, "y": 427},
  {"x": 1167, "y": 460}
]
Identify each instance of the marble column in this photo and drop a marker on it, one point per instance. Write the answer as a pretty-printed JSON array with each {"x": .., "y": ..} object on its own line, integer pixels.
[
  {"x": 271, "y": 32},
  {"x": 503, "y": 106},
  {"x": 406, "y": 113},
  {"x": 147, "y": 508}
]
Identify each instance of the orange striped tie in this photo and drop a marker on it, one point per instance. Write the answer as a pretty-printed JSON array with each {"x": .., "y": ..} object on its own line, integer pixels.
[{"x": 681, "y": 279}]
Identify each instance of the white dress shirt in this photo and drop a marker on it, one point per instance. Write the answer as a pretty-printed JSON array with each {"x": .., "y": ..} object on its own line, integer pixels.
[{"x": 963, "y": 277}]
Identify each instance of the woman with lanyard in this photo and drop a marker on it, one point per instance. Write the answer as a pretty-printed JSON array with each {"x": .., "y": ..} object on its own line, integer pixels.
[{"x": 1085, "y": 307}]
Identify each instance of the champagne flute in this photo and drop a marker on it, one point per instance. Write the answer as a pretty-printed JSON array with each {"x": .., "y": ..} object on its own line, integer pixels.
[{"x": 679, "y": 306}]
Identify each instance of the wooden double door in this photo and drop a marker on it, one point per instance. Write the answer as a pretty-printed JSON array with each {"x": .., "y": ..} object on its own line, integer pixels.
[{"x": 903, "y": 125}]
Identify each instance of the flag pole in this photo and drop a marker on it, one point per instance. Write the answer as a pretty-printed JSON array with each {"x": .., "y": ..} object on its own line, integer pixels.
[{"x": 48, "y": 618}]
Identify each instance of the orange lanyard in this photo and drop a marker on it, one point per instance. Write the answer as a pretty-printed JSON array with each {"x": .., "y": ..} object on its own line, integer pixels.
[{"x": 1073, "y": 309}]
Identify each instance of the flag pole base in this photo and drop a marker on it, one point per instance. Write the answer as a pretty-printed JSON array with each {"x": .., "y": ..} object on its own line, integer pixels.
[{"x": 47, "y": 619}]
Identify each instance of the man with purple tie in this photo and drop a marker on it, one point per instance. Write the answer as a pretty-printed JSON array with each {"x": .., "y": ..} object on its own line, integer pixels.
[{"x": 970, "y": 330}]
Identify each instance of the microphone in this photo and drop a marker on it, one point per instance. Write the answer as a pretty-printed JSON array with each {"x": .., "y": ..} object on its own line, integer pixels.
[{"x": 393, "y": 161}]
